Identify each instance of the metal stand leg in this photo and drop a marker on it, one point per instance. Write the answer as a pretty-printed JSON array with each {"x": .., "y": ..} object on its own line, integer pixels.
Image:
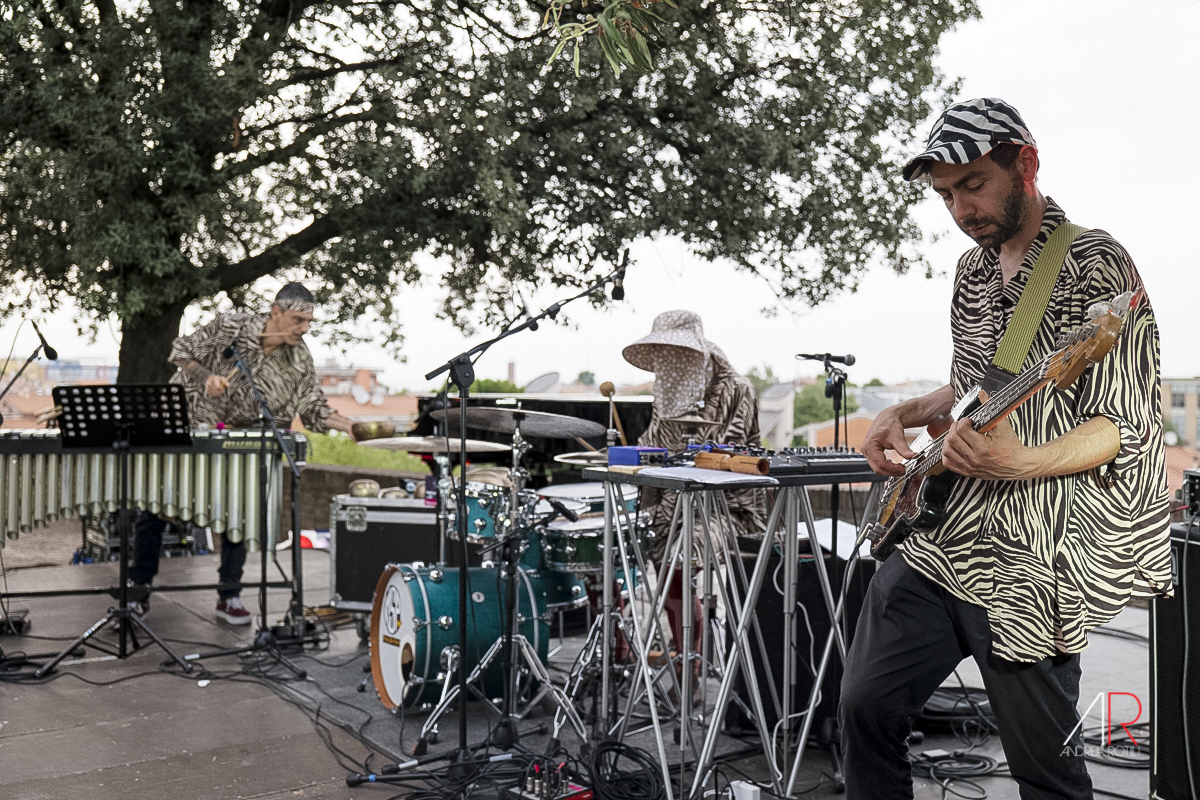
[
  {"x": 871, "y": 507},
  {"x": 743, "y": 612}
]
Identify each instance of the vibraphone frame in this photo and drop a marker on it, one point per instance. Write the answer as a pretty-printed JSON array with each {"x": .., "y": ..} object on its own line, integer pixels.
[{"x": 237, "y": 441}]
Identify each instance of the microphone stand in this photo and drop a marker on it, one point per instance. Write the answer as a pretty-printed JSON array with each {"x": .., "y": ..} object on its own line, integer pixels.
[
  {"x": 265, "y": 639},
  {"x": 33, "y": 357},
  {"x": 462, "y": 375},
  {"x": 835, "y": 389}
]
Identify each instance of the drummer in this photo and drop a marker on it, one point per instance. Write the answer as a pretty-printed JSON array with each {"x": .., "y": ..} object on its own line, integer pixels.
[
  {"x": 272, "y": 346},
  {"x": 693, "y": 378}
]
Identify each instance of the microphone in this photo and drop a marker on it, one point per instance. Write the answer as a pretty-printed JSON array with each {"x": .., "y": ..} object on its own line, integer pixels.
[
  {"x": 564, "y": 511},
  {"x": 229, "y": 351},
  {"x": 50, "y": 352},
  {"x": 618, "y": 289},
  {"x": 847, "y": 359}
]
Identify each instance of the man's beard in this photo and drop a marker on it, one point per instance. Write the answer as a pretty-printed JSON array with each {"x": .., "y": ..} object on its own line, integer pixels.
[{"x": 1012, "y": 217}]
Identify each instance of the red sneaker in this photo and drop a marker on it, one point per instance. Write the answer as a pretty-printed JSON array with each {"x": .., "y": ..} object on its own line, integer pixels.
[{"x": 233, "y": 612}]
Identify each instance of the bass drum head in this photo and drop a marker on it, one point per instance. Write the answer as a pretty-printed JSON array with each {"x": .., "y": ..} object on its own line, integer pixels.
[{"x": 393, "y": 640}]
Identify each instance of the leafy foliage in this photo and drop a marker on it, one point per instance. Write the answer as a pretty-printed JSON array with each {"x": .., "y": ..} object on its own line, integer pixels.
[
  {"x": 586, "y": 378},
  {"x": 811, "y": 404},
  {"x": 340, "y": 449},
  {"x": 495, "y": 386},
  {"x": 161, "y": 154},
  {"x": 762, "y": 379}
]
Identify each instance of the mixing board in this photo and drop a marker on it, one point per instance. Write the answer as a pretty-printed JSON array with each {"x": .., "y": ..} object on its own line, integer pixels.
[{"x": 816, "y": 460}]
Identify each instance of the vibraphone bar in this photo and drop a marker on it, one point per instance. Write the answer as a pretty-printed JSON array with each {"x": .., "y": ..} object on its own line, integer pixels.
[{"x": 215, "y": 483}]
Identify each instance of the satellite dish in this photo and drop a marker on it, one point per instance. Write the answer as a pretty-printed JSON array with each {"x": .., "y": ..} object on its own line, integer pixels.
[
  {"x": 1172, "y": 438},
  {"x": 777, "y": 391},
  {"x": 360, "y": 394},
  {"x": 542, "y": 383}
]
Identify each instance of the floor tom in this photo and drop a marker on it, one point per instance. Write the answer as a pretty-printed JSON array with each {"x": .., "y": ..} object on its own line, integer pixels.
[{"x": 414, "y": 619}]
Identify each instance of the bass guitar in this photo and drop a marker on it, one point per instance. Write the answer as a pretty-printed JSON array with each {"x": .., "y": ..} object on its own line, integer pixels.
[{"x": 917, "y": 500}]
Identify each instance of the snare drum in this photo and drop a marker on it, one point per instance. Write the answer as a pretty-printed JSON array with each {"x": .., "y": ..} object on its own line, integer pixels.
[
  {"x": 579, "y": 546},
  {"x": 590, "y": 493},
  {"x": 414, "y": 619}
]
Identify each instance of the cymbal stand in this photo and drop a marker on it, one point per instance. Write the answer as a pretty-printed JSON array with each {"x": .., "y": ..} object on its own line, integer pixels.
[{"x": 461, "y": 369}]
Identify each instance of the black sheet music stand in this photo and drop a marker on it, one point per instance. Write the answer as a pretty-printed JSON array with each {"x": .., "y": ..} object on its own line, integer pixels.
[{"x": 118, "y": 418}]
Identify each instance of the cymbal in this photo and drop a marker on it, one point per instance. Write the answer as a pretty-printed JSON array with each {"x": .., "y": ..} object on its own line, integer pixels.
[
  {"x": 434, "y": 444},
  {"x": 584, "y": 458},
  {"x": 533, "y": 423}
]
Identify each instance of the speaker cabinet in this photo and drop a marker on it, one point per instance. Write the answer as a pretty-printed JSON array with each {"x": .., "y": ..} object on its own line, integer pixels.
[
  {"x": 808, "y": 648},
  {"x": 1175, "y": 673}
]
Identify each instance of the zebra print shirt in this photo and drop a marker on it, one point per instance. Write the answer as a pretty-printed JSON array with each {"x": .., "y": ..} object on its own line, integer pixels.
[
  {"x": 1052, "y": 558},
  {"x": 287, "y": 377}
]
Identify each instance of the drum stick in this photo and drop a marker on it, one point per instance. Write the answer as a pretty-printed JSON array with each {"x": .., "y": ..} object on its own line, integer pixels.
[
  {"x": 585, "y": 444},
  {"x": 608, "y": 390}
]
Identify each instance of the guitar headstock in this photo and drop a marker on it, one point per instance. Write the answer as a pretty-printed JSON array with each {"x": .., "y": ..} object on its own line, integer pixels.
[{"x": 1089, "y": 343}]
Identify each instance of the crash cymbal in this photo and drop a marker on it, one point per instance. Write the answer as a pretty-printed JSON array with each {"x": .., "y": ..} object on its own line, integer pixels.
[
  {"x": 533, "y": 423},
  {"x": 584, "y": 458},
  {"x": 434, "y": 444}
]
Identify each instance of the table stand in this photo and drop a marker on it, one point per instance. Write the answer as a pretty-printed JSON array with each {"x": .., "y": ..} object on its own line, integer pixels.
[{"x": 120, "y": 417}]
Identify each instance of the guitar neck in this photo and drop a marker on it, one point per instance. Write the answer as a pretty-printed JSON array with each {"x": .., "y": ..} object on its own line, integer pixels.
[{"x": 995, "y": 408}]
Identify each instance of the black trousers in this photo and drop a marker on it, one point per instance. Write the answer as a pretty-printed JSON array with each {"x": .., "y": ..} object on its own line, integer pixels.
[
  {"x": 910, "y": 637},
  {"x": 147, "y": 545}
]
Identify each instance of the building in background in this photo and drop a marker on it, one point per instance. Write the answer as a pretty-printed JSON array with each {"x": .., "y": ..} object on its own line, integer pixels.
[
  {"x": 1180, "y": 397},
  {"x": 31, "y": 394},
  {"x": 356, "y": 393}
]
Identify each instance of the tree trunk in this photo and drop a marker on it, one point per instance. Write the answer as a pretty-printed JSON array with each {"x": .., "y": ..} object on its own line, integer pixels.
[{"x": 146, "y": 344}]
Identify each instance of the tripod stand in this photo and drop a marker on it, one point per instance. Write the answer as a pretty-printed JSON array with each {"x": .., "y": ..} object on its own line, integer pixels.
[
  {"x": 461, "y": 370},
  {"x": 94, "y": 416},
  {"x": 266, "y": 639}
]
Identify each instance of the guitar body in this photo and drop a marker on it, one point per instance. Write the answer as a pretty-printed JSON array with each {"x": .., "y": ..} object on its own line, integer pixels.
[{"x": 919, "y": 502}]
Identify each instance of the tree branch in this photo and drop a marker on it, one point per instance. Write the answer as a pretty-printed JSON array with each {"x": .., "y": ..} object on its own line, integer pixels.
[{"x": 278, "y": 256}]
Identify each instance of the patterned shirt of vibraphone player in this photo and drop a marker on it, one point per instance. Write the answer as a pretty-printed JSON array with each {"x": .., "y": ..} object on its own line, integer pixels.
[
  {"x": 287, "y": 377},
  {"x": 1052, "y": 558}
]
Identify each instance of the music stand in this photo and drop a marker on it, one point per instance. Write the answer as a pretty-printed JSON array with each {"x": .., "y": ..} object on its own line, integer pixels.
[{"x": 120, "y": 417}]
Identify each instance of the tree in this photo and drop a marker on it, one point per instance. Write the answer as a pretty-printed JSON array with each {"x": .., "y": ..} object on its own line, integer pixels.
[
  {"x": 495, "y": 386},
  {"x": 162, "y": 154},
  {"x": 874, "y": 382},
  {"x": 586, "y": 378},
  {"x": 811, "y": 404},
  {"x": 761, "y": 379}
]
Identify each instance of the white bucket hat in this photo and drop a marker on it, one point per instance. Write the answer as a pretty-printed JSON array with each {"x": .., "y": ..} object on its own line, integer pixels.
[{"x": 677, "y": 353}]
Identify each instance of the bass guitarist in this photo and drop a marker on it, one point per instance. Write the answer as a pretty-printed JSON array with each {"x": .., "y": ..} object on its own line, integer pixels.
[{"x": 1059, "y": 515}]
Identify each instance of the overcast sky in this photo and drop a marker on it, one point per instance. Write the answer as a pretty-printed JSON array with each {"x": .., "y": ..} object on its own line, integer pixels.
[{"x": 1107, "y": 89}]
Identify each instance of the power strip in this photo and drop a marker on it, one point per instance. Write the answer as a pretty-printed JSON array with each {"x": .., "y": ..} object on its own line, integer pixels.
[{"x": 573, "y": 792}]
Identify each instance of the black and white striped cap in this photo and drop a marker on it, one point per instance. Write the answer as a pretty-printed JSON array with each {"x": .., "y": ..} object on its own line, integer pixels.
[{"x": 966, "y": 131}]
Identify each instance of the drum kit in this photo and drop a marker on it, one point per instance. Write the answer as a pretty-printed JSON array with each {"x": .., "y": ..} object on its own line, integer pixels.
[{"x": 545, "y": 556}]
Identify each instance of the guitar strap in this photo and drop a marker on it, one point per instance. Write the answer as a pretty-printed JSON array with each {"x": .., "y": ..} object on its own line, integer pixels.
[{"x": 1031, "y": 308}]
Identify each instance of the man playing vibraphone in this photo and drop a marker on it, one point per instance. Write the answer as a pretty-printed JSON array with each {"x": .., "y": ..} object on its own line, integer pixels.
[{"x": 272, "y": 346}]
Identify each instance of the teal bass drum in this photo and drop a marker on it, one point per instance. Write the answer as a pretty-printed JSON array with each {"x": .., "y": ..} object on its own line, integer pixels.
[{"x": 414, "y": 619}]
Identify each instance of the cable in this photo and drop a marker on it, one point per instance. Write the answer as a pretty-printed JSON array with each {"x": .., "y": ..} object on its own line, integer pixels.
[
  {"x": 1183, "y": 690},
  {"x": 611, "y": 782}
]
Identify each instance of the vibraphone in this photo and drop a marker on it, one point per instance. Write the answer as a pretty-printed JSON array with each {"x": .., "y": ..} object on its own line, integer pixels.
[{"x": 215, "y": 483}]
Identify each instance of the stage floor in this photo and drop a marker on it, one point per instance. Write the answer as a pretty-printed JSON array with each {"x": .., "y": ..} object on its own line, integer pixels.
[{"x": 146, "y": 733}]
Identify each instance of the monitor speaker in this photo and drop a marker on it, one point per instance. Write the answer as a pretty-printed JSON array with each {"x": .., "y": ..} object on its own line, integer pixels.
[{"x": 1175, "y": 674}]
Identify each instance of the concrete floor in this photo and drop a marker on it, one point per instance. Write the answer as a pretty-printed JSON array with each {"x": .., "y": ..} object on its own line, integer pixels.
[{"x": 156, "y": 734}]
